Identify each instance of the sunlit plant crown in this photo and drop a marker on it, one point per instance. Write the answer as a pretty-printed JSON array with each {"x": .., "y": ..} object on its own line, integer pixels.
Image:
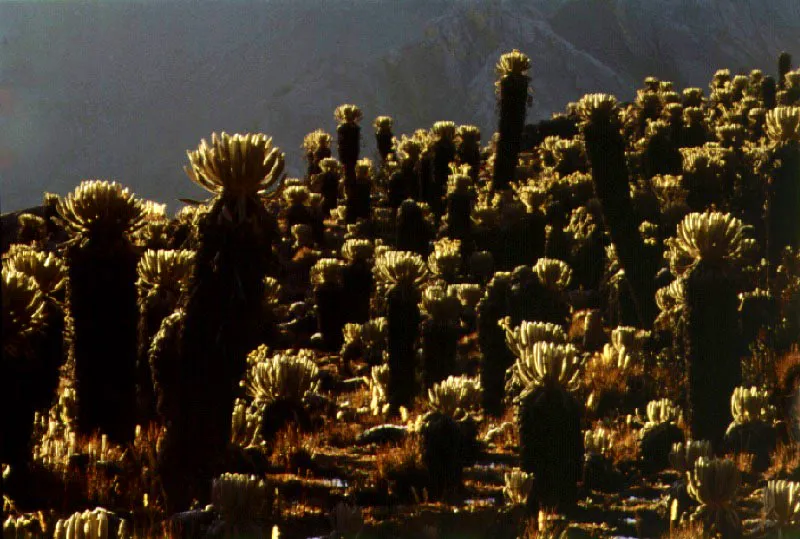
[
  {"x": 357, "y": 249},
  {"x": 29, "y": 221},
  {"x": 455, "y": 396},
  {"x": 662, "y": 411},
  {"x": 291, "y": 376},
  {"x": 524, "y": 336},
  {"x": 714, "y": 482},
  {"x": 410, "y": 148},
  {"x": 401, "y": 267},
  {"x": 670, "y": 300},
  {"x": 375, "y": 331},
  {"x": 348, "y": 114},
  {"x": 153, "y": 211},
  {"x": 517, "y": 486},
  {"x": 710, "y": 237},
  {"x": 552, "y": 273},
  {"x": 446, "y": 256},
  {"x": 296, "y": 194},
  {"x": 547, "y": 364},
  {"x": 782, "y": 501},
  {"x": 597, "y": 108},
  {"x": 598, "y": 441},
  {"x": 237, "y": 165},
  {"x": 272, "y": 290},
  {"x": 445, "y": 130},
  {"x": 239, "y": 498},
  {"x": 613, "y": 356},
  {"x": 467, "y": 293},
  {"x": 329, "y": 164},
  {"x": 326, "y": 270},
  {"x": 439, "y": 303},
  {"x": 783, "y": 124},
  {"x": 164, "y": 268},
  {"x": 23, "y": 309},
  {"x": 97, "y": 205},
  {"x": 751, "y": 404},
  {"x": 315, "y": 140},
  {"x": 532, "y": 194},
  {"x": 471, "y": 133},
  {"x": 710, "y": 157},
  {"x": 513, "y": 63},
  {"x": 683, "y": 455},
  {"x": 626, "y": 336},
  {"x": 364, "y": 168},
  {"x": 383, "y": 123},
  {"x": 89, "y": 524},
  {"x": 45, "y": 268},
  {"x": 581, "y": 224}
]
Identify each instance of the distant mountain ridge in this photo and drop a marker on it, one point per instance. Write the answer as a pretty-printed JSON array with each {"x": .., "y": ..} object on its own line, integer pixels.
[{"x": 120, "y": 90}]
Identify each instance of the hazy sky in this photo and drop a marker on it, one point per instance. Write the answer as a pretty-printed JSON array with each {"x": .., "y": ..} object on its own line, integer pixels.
[{"x": 120, "y": 90}]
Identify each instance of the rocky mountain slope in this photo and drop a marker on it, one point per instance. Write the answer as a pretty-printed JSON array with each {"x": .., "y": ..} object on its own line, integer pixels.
[{"x": 120, "y": 90}]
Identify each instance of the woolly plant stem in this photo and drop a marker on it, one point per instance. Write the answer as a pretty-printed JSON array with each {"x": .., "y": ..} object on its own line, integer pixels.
[
  {"x": 712, "y": 350},
  {"x": 102, "y": 334},
  {"x": 403, "y": 330},
  {"x": 606, "y": 149},
  {"x": 220, "y": 328}
]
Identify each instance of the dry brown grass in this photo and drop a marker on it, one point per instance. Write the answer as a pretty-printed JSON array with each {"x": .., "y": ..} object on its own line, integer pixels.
[
  {"x": 548, "y": 526},
  {"x": 391, "y": 459},
  {"x": 785, "y": 461},
  {"x": 626, "y": 444},
  {"x": 743, "y": 461},
  {"x": 669, "y": 379},
  {"x": 787, "y": 369},
  {"x": 686, "y": 530},
  {"x": 602, "y": 376},
  {"x": 293, "y": 450}
]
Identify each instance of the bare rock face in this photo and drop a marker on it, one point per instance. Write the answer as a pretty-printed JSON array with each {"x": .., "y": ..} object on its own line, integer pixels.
[{"x": 120, "y": 91}]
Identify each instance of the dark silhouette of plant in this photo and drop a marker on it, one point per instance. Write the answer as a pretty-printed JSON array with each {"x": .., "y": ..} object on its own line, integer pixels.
[
  {"x": 495, "y": 305},
  {"x": 659, "y": 434},
  {"x": 549, "y": 418},
  {"x": 704, "y": 254},
  {"x": 713, "y": 484},
  {"x": 783, "y": 226},
  {"x": 468, "y": 148},
  {"x": 439, "y": 334},
  {"x": 403, "y": 272},
  {"x": 605, "y": 147},
  {"x": 50, "y": 275},
  {"x": 357, "y": 279},
  {"x": 224, "y": 300},
  {"x": 24, "y": 322},
  {"x": 329, "y": 298},
  {"x": 348, "y": 142},
  {"x": 280, "y": 385},
  {"x": 317, "y": 145},
  {"x": 512, "y": 92},
  {"x": 163, "y": 276},
  {"x": 101, "y": 304},
  {"x": 784, "y": 67},
  {"x": 448, "y": 434},
  {"x": 383, "y": 136},
  {"x": 327, "y": 184},
  {"x": 459, "y": 202},
  {"x": 358, "y": 195},
  {"x": 414, "y": 232},
  {"x": 443, "y": 152},
  {"x": 753, "y": 428}
]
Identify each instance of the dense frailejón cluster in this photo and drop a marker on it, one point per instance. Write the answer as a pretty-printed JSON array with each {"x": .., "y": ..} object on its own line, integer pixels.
[{"x": 595, "y": 316}]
